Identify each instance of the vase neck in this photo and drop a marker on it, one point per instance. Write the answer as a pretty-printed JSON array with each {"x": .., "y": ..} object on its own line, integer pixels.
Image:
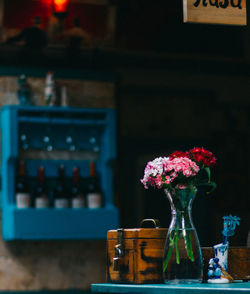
[{"x": 181, "y": 201}]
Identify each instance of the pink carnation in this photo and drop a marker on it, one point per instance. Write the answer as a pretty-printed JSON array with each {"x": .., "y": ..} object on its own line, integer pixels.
[{"x": 164, "y": 170}]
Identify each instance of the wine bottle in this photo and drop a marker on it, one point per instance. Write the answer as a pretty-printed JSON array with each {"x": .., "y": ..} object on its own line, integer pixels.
[
  {"x": 94, "y": 195},
  {"x": 41, "y": 198},
  {"x": 61, "y": 199},
  {"x": 49, "y": 92},
  {"x": 23, "y": 91},
  {"x": 77, "y": 196},
  {"x": 22, "y": 188}
]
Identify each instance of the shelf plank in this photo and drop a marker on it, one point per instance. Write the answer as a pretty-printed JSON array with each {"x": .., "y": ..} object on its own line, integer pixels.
[{"x": 65, "y": 223}]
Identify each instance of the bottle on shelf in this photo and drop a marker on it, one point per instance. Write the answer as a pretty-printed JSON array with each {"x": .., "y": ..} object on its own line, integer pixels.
[
  {"x": 61, "y": 199},
  {"x": 50, "y": 91},
  {"x": 77, "y": 196},
  {"x": 64, "y": 96},
  {"x": 22, "y": 188},
  {"x": 94, "y": 194},
  {"x": 41, "y": 198},
  {"x": 23, "y": 91}
]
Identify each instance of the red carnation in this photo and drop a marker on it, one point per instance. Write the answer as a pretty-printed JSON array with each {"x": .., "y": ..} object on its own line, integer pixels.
[
  {"x": 178, "y": 154},
  {"x": 202, "y": 155}
]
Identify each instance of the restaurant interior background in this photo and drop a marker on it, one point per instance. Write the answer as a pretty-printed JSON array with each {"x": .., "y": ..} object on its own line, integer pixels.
[{"x": 174, "y": 86}]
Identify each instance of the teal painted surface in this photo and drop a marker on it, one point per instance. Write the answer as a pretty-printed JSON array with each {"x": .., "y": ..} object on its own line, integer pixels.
[
  {"x": 47, "y": 292},
  {"x": 51, "y": 223},
  {"x": 71, "y": 291},
  {"x": 243, "y": 287}
]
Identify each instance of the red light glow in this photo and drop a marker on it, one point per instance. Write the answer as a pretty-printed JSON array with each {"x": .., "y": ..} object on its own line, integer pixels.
[{"x": 60, "y": 6}]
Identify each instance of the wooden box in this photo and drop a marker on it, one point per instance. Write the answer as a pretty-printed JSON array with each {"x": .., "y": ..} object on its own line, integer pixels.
[{"x": 135, "y": 255}]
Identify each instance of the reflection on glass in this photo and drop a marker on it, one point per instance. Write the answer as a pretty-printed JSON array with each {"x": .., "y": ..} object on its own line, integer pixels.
[
  {"x": 94, "y": 144},
  {"x": 24, "y": 141},
  {"x": 96, "y": 148},
  {"x": 47, "y": 140},
  {"x": 72, "y": 147},
  {"x": 92, "y": 140},
  {"x": 70, "y": 141}
]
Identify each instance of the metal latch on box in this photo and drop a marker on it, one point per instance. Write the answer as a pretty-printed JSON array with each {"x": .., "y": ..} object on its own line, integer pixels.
[
  {"x": 119, "y": 250},
  {"x": 119, "y": 247}
]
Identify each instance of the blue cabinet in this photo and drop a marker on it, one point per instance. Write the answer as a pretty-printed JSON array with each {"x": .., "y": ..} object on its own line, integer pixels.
[{"x": 50, "y": 136}]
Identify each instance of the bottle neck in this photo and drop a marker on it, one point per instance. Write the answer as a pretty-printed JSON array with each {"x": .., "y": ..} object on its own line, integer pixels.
[
  {"x": 92, "y": 171},
  {"x": 41, "y": 175},
  {"x": 61, "y": 173},
  {"x": 76, "y": 176},
  {"x": 22, "y": 169}
]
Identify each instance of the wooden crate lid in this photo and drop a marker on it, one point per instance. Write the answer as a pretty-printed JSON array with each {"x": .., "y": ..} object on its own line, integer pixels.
[
  {"x": 150, "y": 229},
  {"x": 140, "y": 233}
]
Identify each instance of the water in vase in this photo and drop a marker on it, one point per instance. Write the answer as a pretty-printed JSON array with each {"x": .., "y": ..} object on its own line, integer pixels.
[{"x": 183, "y": 255}]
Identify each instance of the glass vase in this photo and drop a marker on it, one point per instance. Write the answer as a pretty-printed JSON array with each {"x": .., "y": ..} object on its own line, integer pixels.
[{"x": 182, "y": 260}]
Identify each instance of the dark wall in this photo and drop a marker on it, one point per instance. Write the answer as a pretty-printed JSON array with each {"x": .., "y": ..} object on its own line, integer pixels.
[
  {"x": 158, "y": 25},
  {"x": 154, "y": 123},
  {"x": 185, "y": 85}
]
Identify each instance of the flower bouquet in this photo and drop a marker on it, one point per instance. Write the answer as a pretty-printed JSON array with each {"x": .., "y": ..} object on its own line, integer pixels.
[
  {"x": 180, "y": 169},
  {"x": 180, "y": 175}
]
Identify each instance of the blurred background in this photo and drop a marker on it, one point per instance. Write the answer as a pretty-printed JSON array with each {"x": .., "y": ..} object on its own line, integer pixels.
[{"x": 174, "y": 86}]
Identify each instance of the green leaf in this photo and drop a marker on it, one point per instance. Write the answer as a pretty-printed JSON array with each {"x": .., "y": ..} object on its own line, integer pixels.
[
  {"x": 207, "y": 169},
  {"x": 211, "y": 184}
]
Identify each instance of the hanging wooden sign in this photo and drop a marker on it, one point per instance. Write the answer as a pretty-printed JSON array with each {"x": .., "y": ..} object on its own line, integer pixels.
[{"x": 232, "y": 12}]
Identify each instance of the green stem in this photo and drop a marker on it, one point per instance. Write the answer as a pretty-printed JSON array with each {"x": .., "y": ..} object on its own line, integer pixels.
[
  {"x": 188, "y": 245},
  {"x": 172, "y": 243},
  {"x": 177, "y": 249},
  {"x": 190, "y": 249},
  {"x": 165, "y": 262}
]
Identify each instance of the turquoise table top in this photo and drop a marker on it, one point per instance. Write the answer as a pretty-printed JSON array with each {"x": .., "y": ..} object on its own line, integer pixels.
[{"x": 239, "y": 287}]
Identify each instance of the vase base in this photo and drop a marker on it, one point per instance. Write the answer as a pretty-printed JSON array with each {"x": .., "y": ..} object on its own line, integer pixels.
[
  {"x": 182, "y": 281},
  {"x": 218, "y": 281}
]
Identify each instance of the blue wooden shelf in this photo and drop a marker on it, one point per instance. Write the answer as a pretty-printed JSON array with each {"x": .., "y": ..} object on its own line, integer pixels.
[
  {"x": 67, "y": 223},
  {"x": 239, "y": 287},
  {"x": 80, "y": 123}
]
